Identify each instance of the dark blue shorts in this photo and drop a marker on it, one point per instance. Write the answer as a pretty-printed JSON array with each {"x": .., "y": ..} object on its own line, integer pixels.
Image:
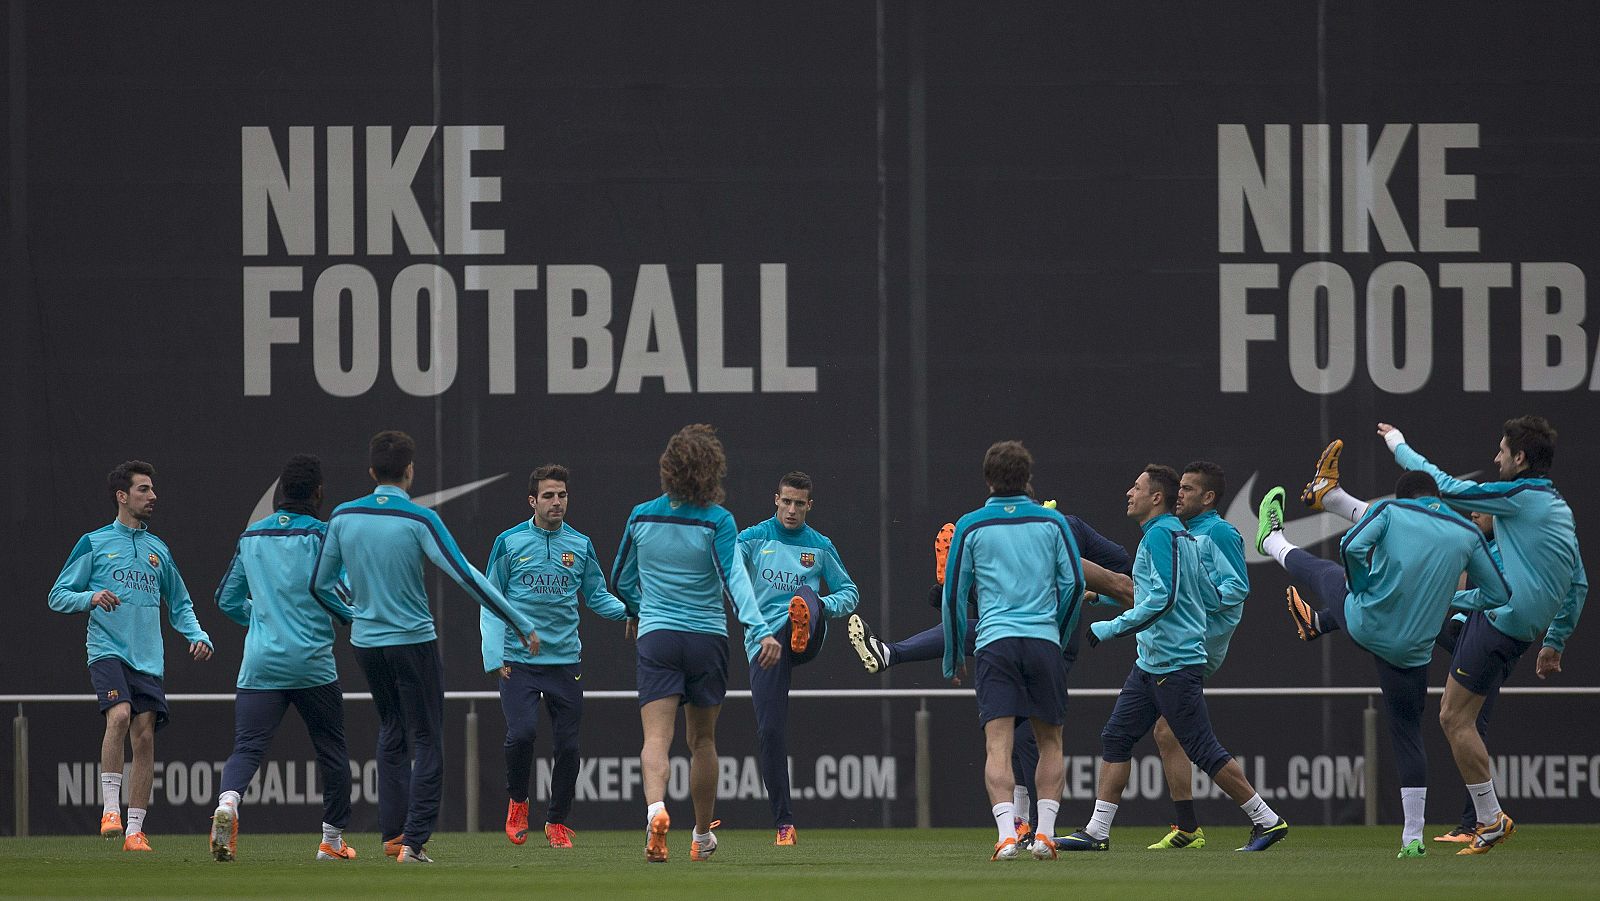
[
  {"x": 1021, "y": 677},
  {"x": 1180, "y": 697},
  {"x": 116, "y": 682},
  {"x": 691, "y": 665},
  {"x": 1484, "y": 655}
]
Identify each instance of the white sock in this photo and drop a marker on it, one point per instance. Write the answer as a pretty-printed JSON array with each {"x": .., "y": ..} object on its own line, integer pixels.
[
  {"x": 1002, "y": 820},
  {"x": 650, "y": 812},
  {"x": 1337, "y": 502},
  {"x": 1020, "y": 801},
  {"x": 230, "y": 800},
  {"x": 1047, "y": 817},
  {"x": 333, "y": 836},
  {"x": 705, "y": 839},
  {"x": 1483, "y": 798},
  {"x": 111, "y": 792},
  {"x": 1412, "y": 801},
  {"x": 135, "y": 819},
  {"x": 1277, "y": 546},
  {"x": 1099, "y": 827},
  {"x": 1258, "y": 811}
]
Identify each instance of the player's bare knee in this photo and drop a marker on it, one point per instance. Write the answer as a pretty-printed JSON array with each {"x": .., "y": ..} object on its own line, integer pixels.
[
  {"x": 1165, "y": 739},
  {"x": 117, "y": 719}
]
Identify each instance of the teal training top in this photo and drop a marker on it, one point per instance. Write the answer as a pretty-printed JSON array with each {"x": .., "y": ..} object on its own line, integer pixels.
[
  {"x": 1538, "y": 544},
  {"x": 381, "y": 541},
  {"x": 267, "y": 590},
  {"x": 1171, "y": 592},
  {"x": 1225, "y": 566},
  {"x": 780, "y": 560},
  {"x": 1403, "y": 560},
  {"x": 135, "y": 566},
  {"x": 544, "y": 574},
  {"x": 678, "y": 564},
  {"x": 1022, "y": 562}
]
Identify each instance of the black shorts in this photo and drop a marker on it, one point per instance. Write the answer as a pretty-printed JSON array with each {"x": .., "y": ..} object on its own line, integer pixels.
[
  {"x": 1021, "y": 677},
  {"x": 1484, "y": 655},
  {"x": 691, "y": 665},
  {"x": 1180, "y": 697},
  {"x": 116, "y": 683}
]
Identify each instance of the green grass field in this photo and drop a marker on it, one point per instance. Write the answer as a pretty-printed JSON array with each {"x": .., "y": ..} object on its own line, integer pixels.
[{"x": 1315, "y": 862}]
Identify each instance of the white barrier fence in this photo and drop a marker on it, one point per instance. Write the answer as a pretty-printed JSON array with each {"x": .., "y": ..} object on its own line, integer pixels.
[{"x": 923, "y": 726}]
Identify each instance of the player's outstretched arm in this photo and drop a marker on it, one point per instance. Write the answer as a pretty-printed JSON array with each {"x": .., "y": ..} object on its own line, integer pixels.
[
  {"x": 1106, "y": 583},
  {"x": 593, "y": 588}
]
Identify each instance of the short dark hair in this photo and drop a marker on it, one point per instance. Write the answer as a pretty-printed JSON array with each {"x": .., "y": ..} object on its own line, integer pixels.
[
  {"x": 553, "y": 471},
  {"x": 1533, "y": 437},
  {"x": 389, "y": 454},
  {"x": 1211, "y": 478},
  {"x": 1008, "y": 467},
  {"x": 693, "y": 465},
  {"x": 301, "y": 477},
  {"x": 121, "y": 478},
  {"x": 795, "y": 479},
  {"x": 1415, "y": 483},
  {"x": 1165, "y": 480}
]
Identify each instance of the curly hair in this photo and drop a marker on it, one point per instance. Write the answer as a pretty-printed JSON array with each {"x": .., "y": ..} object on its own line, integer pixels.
[{"x": 693, "y": 465}]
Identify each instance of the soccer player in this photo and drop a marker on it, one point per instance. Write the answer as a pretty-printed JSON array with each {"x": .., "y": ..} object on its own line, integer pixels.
[
  {"x": 120, "y": 575},
  {"x": 382, "y": 540},
  {"x": 1539, "y": 549},
  {"x": 288, "y": 657},
  {"x": 1022, "y": 562},
  {"x": 1396, "y": 576},
  {"x": 1168, "y": 678},
  {"x": 1201, "y": 488},
  {"x": 679, "y": 559},
  {"x": 543, "y": 567},
  {"x": 1106, "y": 568},
  {"x": 790, "y": 565},
  {"x": 1449, "y": 634}
]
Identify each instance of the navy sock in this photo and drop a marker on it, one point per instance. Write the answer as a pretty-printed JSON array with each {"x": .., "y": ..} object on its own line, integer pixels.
[{"x": 1186, "y": 818}]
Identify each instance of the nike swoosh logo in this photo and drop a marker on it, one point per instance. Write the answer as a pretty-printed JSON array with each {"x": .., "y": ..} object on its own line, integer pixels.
[
  {"x": 1161, "y": 681},
  {"x": 1463, "y": 672},
  {"x": 264, "y": 506},
  {"x": 109, "y": 556},
  {"x": 768, "y": 551},
  {"x": 578, "y": 678}
]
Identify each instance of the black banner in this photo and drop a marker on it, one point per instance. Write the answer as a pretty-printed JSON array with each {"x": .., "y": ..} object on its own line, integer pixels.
[{"x": 865, "y": 241}]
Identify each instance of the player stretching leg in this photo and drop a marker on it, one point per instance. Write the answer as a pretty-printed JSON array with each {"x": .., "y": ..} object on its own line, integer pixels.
[
  {"x": 1021, "y": 562},
  {"x": 791, "y": 565},
  {"x": 1106, "y": 568},
  {"x": 1539, "y": 548},
  {"x": 1396, "y": 577}
]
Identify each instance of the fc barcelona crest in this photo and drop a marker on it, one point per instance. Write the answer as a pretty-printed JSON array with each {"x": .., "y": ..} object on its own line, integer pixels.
[
  {"x": 808, "y": 560},
  {"x": 154, "y": 560},
  {"x": 567, "y": 558}
]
